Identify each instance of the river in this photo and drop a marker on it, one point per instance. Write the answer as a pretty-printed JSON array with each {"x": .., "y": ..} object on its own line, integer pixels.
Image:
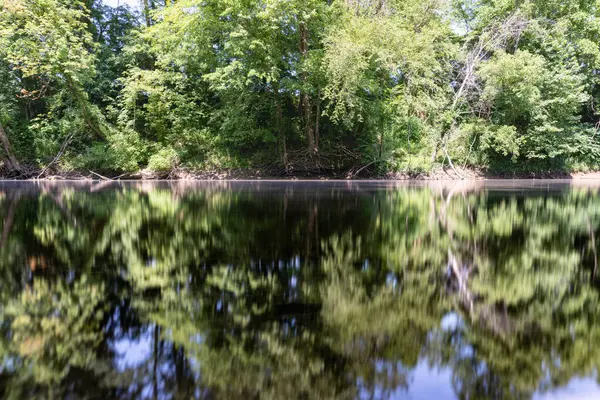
[{"x": 300, "y": 289}]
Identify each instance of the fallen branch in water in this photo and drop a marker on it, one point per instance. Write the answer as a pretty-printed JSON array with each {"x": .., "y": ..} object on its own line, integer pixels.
[
  {"x": 100, "y": 176},
  {"x": 58, "y": 155},
  {"x": 352, "y": 174},
  {"x": 126, "y": 174},
  {"x": 451, "y": 164},
  {"x": 100, "y": 186}
]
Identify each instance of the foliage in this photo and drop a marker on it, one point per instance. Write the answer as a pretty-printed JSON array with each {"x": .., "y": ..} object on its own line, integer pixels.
[
  {"x": 163, "y": 160},
  {"x": 300, "y": 85}
]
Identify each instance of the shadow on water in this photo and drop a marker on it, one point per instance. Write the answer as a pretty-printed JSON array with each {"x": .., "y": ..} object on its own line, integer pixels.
[{"x": 470, "y": 290}]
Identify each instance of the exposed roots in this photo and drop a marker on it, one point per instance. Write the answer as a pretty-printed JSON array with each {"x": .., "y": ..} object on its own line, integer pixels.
[{"x": 306, "y": 162}]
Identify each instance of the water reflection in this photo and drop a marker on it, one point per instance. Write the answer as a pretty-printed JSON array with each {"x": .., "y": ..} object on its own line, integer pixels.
[{"x": 298, "y": 290}]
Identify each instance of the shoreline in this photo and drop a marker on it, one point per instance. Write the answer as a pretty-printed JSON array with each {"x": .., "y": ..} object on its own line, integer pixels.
[
  {"x": 595, "y": 176},
  {"x": 255, "y": 174}
]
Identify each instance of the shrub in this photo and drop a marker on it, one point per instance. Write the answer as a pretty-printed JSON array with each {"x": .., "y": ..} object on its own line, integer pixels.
[{"x": 164, "y": 160}]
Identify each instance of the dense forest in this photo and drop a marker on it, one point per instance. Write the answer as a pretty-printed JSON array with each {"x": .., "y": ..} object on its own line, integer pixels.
[{"x": 299, "y": 86}]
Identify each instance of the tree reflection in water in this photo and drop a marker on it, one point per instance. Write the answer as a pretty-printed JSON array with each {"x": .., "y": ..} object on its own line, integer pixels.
[{"x": 296, "y": 290}]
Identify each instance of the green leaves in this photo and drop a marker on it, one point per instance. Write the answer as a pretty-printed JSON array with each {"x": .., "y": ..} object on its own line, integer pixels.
[
  {"x": 391, "y": 84},
  {"x": 47, "y": 37}
]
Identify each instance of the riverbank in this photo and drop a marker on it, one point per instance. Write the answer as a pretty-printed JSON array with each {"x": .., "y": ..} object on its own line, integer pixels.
[{"x": 258, "y": 174}]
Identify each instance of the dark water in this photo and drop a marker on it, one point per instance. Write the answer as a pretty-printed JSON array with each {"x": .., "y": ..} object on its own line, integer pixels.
[{"x": 299, "y": 290}]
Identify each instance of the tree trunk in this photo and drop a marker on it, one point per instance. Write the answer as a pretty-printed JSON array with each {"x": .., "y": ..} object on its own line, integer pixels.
[
  {"x": 279, "y": 127},
  {"x": 83, "y": 103},
  {"x": 146, "y": 12},
  {"x": 285, "y": 156},
  {"x": 317, "y": 133},
  {"x": 9, "y": 158},
  {"x": 310, "y": 133},
  {"x": 305, "y": 97}
]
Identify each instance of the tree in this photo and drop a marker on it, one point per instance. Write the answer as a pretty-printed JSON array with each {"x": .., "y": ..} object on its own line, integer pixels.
[{"x": 46, "y": 45}]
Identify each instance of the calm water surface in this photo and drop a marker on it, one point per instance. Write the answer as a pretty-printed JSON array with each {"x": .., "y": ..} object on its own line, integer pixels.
[{"x": 309, "y": 290}]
